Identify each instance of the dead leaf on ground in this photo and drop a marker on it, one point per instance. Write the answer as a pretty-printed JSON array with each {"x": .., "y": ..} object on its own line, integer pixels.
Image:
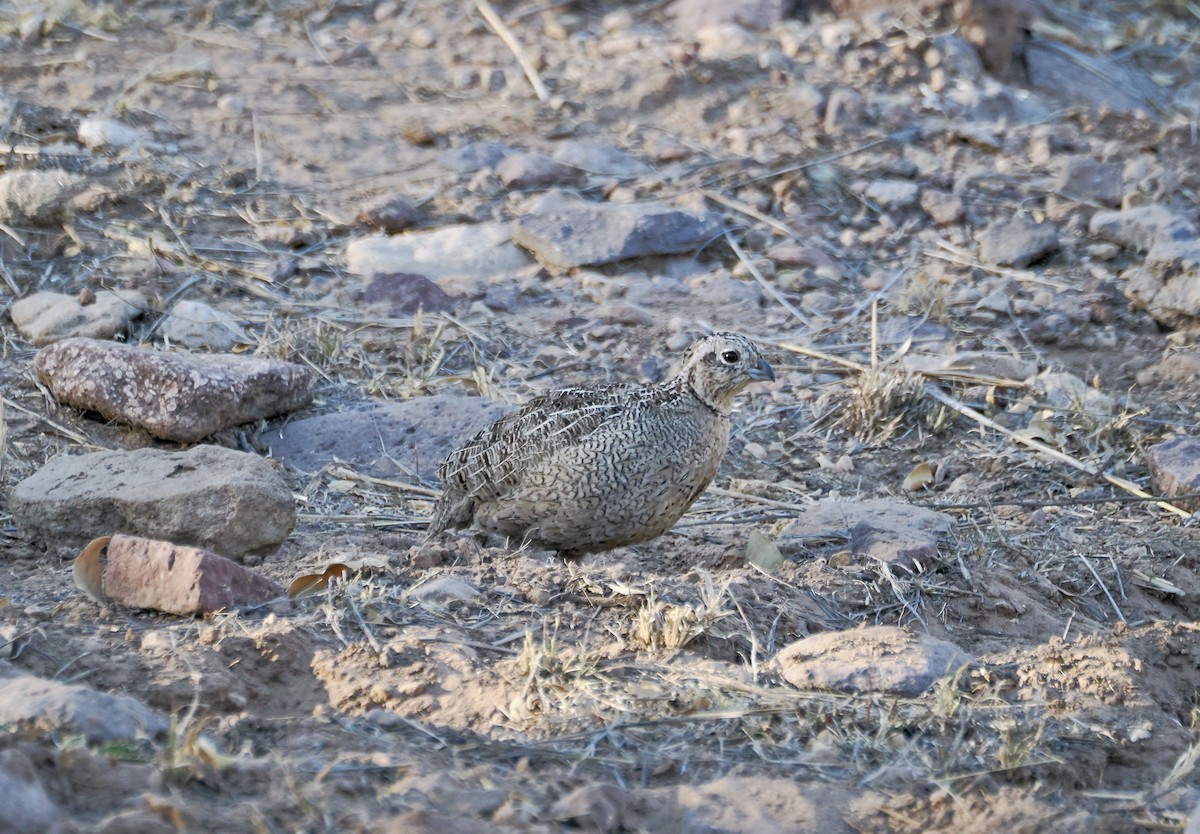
[
  {"x": 919, "y": 478},
  {"x": 88, "y": 570},
  {"x": 762, "y": 552},
  {"x": 311, "y": 584}
]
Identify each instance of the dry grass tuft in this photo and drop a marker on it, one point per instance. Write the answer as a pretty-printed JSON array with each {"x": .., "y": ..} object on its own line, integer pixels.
[{"x": 881, "y": 401}]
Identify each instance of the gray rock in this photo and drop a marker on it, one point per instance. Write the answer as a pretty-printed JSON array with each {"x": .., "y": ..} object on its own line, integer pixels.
[
  {"x": 25, "y": 807},
  {"x": 888, "y": 531},
  {"x": 233, "y": 503},
  {"x": 481, "y": 250},
  {"x": 107, "y": 134},
  {"x": 474, "y": 157},
  {"x": 47, "y": 317},
  {"x": 37, "y": 197},
  {"x": 1017, "y": 242},
  {"x": 399, "y": 293},
  {"x": 601, "y": 160},
  {"x": 1175, "y": 469},
  {"x": 942, "y": 206},
  {"x": 443, "y": 589},
  {"x": 1167, "y": 285},
  {"x": 38, "y": 705},
  {"x": 905, "y": 548},
  {"x": 882, "y": 659},
  {"x": 532, "y": 170},
  {"x": 689, "y": 15},
  {"x": 1141, "y": 227},
  {"x": 409, "y": 439},
  {"x": 175, "y": 396},
  {"x": 145, "y": 573},
  {"x": 1090, "y": 180},
  {"x": 893, "y": 194},
  {"x": 600, "y": 234},
  {"x": 196, "y": 325},
  {"x": 392, "y": 213}
]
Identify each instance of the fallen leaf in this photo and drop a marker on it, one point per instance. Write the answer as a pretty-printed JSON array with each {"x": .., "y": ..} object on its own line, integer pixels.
[
  {"x": 88, "y": 571},
  {"x": 919, "y": 478},
  {"x": 762, "y": 552},
  {"x": 311, "y": 584}
]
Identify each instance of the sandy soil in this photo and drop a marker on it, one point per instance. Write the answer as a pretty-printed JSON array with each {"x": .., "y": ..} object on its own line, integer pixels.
[{"x": 632, "y": 691}]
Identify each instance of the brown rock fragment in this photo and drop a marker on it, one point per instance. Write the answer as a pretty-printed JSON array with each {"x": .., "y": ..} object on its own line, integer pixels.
[
  {"x": 1175, "y": 469},
  {"x": 144, "y": 573},
  {"x": 175, "y": 396},
  {"x": 879, "y": 659}
]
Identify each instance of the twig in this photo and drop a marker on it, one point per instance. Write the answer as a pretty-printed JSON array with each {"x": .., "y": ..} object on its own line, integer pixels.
[
  {"x": 958, "y": 255},
  {"x": 71, "y": 433},
  {"x": 1103, "y": 587},
  {"x": 750, "y": 211},
  {"x": 363, "y": 625},
  {"x": 762, "y": 282},
  {"x": 1062, "y": 457},
  {"x": 351, "y": 475},
  {"x": 510, "y": 40}
]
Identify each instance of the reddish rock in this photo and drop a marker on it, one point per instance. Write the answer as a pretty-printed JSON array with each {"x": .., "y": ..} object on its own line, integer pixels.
[
  {"x": 144, "y": 573},
  {"x": 1175, "y": 469},
  {"x": 175, "y": 396}
]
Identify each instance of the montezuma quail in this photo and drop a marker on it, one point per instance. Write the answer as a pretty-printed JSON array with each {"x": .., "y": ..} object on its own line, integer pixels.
[{"x": 587, "y": 469}]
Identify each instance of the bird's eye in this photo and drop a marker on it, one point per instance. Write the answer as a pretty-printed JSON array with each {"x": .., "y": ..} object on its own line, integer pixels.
[{"x": 730, "y": 356}]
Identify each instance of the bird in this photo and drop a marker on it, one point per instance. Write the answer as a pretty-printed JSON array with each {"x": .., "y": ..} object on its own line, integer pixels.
[{"x": 584, "y": 470}]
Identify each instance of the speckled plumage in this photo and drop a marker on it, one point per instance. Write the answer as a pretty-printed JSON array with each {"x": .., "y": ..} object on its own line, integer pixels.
[{"x": 582, "y": 470}]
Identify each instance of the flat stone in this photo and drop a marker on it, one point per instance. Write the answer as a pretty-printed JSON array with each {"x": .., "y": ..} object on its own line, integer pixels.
[
  {"x": 172, "y": 395},
  {"x": 688, "y": 15},
  {"x": 533, "y": 170},
  {"x": 47, "y": 317},
  {"x": 196, "y": 325},
  {"x": 407, "y": 439},
  {"x": 1141, "y": 227},
  {"x": 231, "y": 502},
  {"x": 942, "y": 207},
  {"x": 599, "y": 234},
  {"x": 601, "y": 160},
  {"x": 474, "y": 156},
  {"x": 481, "y": 250},
  {"x": 37, "y": 197},
  {"x": 912, "y": 550},
  {"x": 38, "y": 705},
  {"x": 107, "y": 134},
  {"x": 400, "y": 293},
  {"x": 391, "y": 212},
  {"x": 893, "y": 194},
  {"x": 145, "y": 573},
  {"x": 1175, "y": 469},
  {"x": 25, "y": 807},
  {"x": 881, "y": 659},
  {"x": 444, "y": 589},
  {"x": 1090, "y": 180},
  {"x": 1017, "y": 242}
]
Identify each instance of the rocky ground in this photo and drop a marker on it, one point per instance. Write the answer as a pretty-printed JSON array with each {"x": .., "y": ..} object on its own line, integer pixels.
[{"x": 945, "y": 581}]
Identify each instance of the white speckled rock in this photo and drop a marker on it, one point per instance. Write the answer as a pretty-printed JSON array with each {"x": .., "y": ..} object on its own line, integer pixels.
[{"x": 175, "y": 396}]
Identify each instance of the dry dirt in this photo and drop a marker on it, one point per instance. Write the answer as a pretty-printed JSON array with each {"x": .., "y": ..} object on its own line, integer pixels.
[{"x": 632, "y": 691}]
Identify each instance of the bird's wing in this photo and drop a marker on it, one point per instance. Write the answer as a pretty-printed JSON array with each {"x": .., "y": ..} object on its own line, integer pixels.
[{"x": 491, "y": 463}]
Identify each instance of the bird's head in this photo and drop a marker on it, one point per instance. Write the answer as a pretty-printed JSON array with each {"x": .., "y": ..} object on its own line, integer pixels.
[{"x": 717, "y": 367}]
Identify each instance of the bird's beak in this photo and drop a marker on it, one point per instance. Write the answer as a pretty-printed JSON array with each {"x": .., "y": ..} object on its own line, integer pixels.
[{"x": 761, "y": 371}]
